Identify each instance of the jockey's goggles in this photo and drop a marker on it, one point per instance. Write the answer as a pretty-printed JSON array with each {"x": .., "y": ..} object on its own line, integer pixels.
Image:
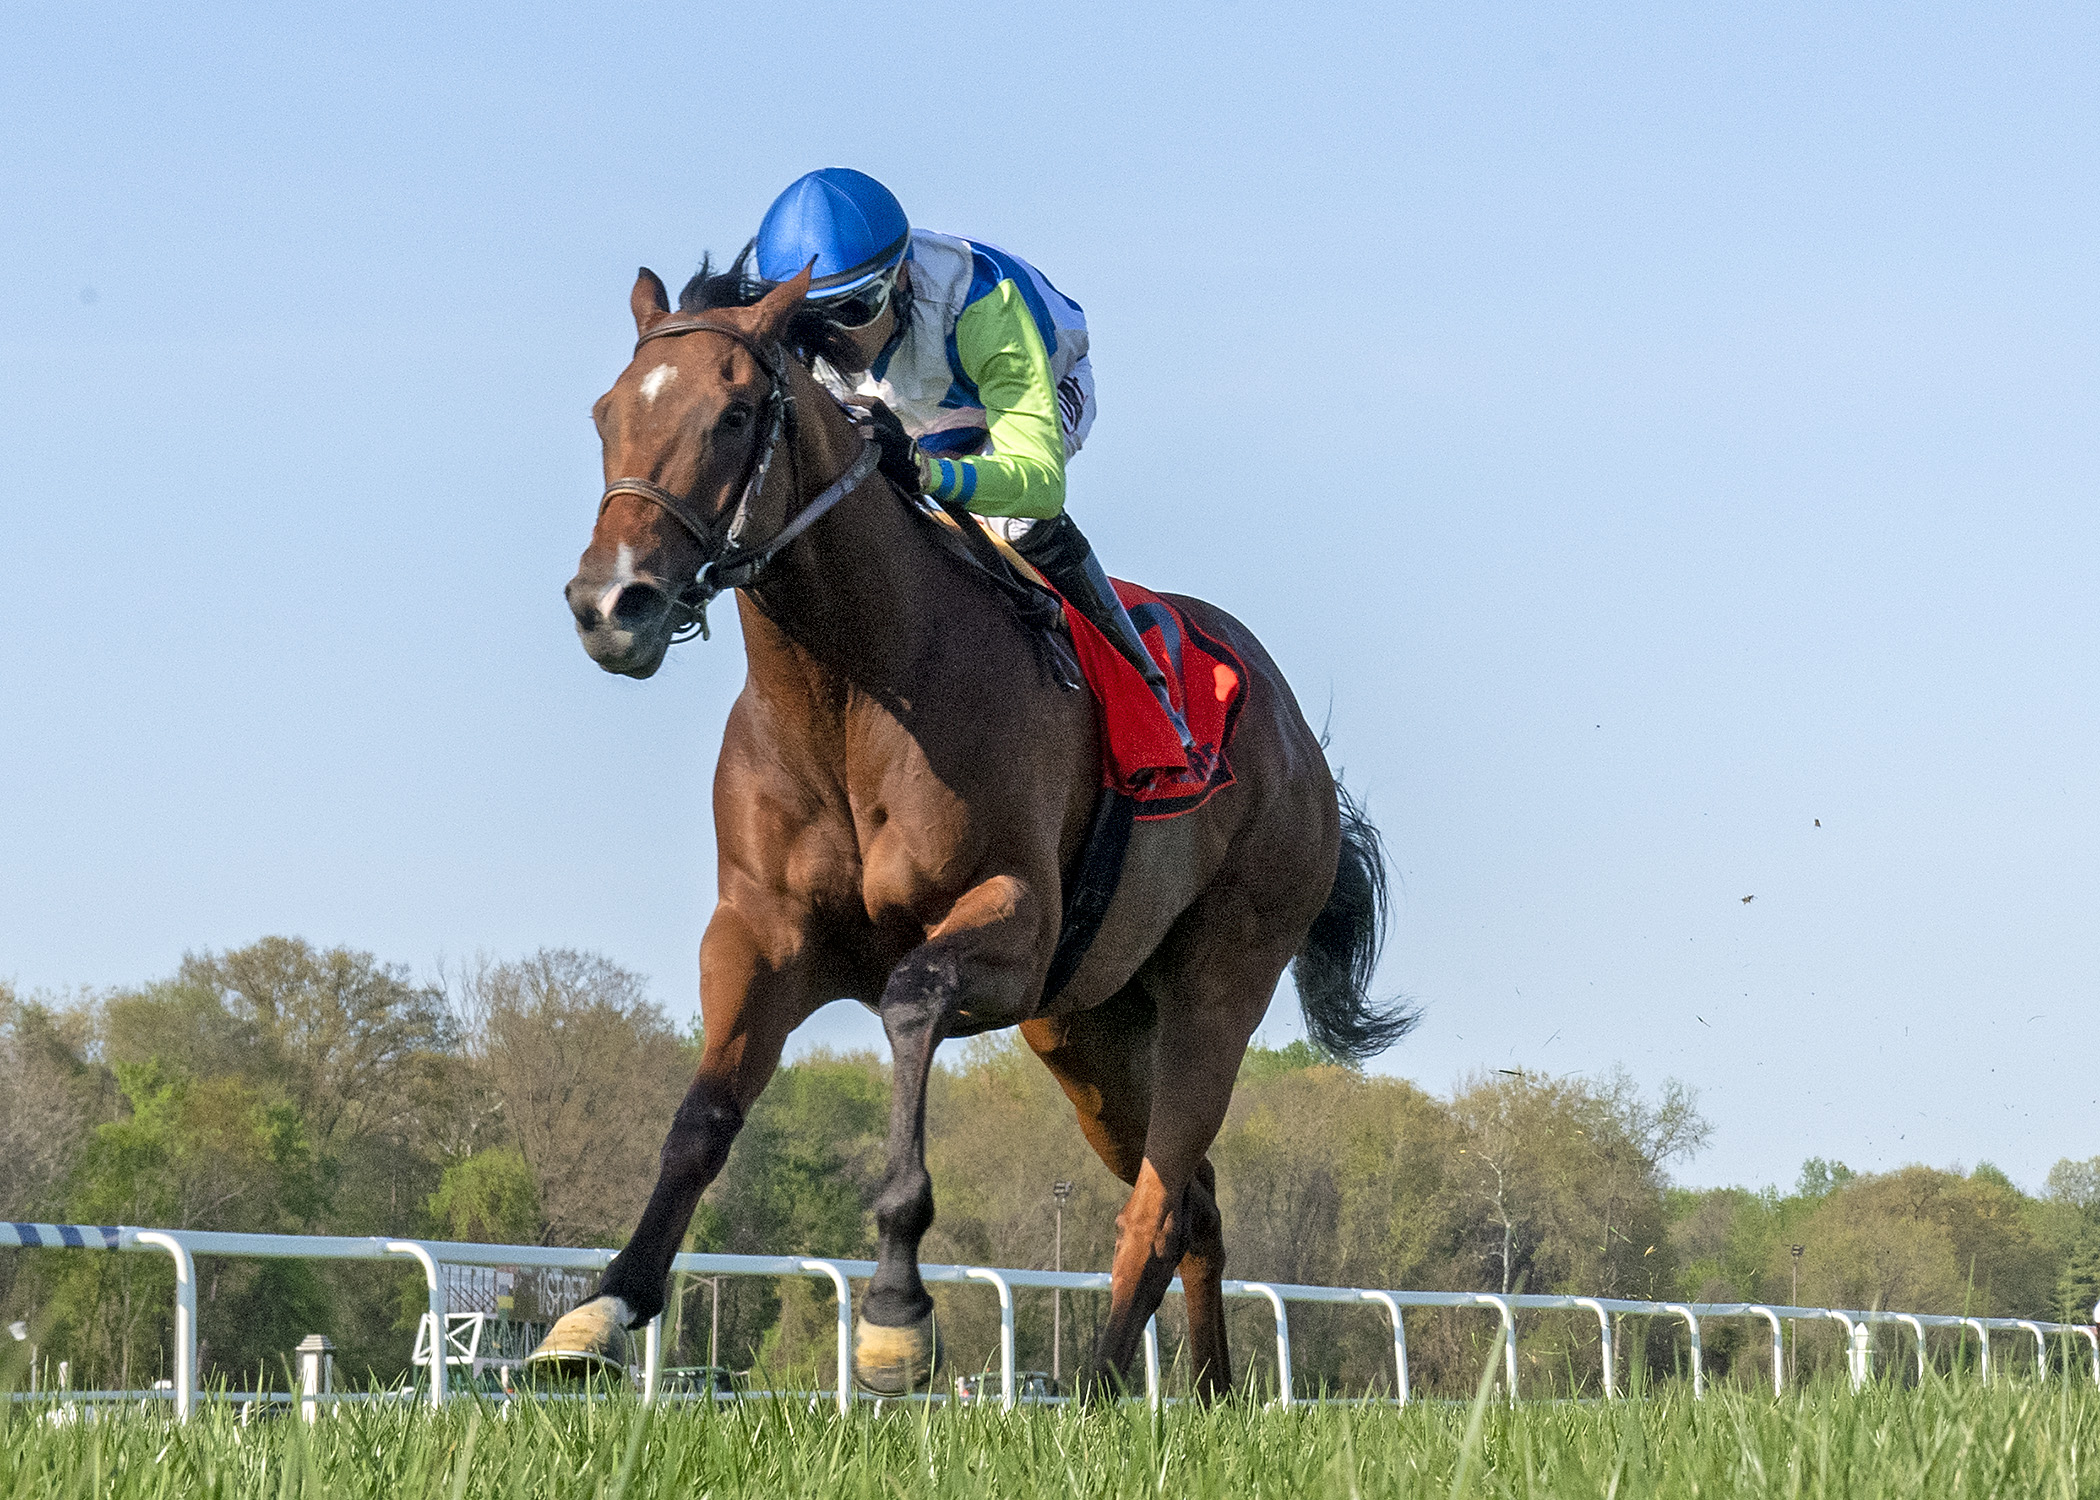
[{"x": 864, "y": 306}]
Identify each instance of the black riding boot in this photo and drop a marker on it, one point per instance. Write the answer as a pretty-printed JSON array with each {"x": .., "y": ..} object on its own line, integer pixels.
[{"x": 1066, "y": 558}]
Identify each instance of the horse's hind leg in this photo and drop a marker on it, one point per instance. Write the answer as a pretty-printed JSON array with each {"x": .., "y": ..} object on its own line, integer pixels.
[
  {"x": 1202, "y": 1285},
  {"x": 1103, "y": 1059},
  {"x": 1211, "y": 981}
]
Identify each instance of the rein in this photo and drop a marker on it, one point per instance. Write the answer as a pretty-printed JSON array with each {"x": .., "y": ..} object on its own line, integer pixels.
[{"x": 738, "y": 565}]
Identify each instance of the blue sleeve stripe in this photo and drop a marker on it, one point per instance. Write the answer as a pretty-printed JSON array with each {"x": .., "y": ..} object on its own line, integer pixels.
[
  {"x": 969, "y": 482},
  {"x": 947, "y": 487},
  {"x": 989, "y": 267}
]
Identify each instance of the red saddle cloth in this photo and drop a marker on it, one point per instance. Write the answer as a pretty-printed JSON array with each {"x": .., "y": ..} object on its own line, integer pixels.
[{"x": 1140, "y": 754}]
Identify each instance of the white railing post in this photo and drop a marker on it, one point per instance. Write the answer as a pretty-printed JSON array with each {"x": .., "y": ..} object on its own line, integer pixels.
[
  {"x": 1917, "y": 1328},
  {"x": 1392, "y": 1308},
  {"x": 1778, "y": 1347},
  {"x": 2093, "y": 1337},
  {"x": 1691, "y": 1322},
  {"x": 1983, "y": 1356},
  {"x": 316, "y": 1374},
  {"x": 1604, "y": 1339},
  {"x": 845, "y": 1329},
  {"x": 439, "y": 1345},
  {"x": 1283, "y": 1338},
  {"x": 1152, "y": 1396},
  {"x": 2041, "y": 1347},
  {"x": 1008, "y": 1395},
  {"x": 1509, "y": 1338},
  {"x": 1844, "y": 1321},
  {"x": 653, "y": 1357},
  {"x": 185, "y": 1318}
]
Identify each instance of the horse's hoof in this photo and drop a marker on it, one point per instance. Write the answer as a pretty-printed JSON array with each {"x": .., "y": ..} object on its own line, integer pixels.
[
  {"x": 894, "y": 1361},
  {"x": 585, "y": 1341}
]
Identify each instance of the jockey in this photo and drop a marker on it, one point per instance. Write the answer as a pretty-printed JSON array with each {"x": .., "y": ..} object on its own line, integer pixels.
[{"x": 981, "y": 360}]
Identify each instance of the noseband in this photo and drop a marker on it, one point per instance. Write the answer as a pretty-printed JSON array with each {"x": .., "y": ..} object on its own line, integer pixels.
[{"x": 738, "y": 565}]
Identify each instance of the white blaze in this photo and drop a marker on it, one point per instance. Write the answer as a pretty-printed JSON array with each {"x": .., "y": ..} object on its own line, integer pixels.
[
  {"x": 654, "y": 382},
  {"x": 623, "y": 570}
]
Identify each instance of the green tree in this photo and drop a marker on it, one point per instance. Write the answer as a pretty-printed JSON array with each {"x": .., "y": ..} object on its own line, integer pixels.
[
  {"x": 1820, "y": 1178},
  {"x": 192, "y": 1154},
  {"x": 489, "y": 1198},
  {"x": 2071, "y": 1222},
  {"x": 582, "y": 1072},
  {"x": 799, "y": 1181}
]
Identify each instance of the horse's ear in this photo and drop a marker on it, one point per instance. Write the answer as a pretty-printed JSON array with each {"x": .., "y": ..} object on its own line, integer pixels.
[
  {"x": 778, "y": 305},
  {"x": 649, "y": 300}
]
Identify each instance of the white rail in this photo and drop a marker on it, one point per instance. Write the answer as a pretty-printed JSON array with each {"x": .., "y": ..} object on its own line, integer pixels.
[{"x": 184, "y": 1245}]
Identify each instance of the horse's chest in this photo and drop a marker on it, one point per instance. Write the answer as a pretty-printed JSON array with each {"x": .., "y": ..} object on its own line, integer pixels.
[{"x": 910, "y": 853}]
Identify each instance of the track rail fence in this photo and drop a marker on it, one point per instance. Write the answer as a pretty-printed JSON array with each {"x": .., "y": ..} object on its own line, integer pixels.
[{"x": 183, "y": 1246}]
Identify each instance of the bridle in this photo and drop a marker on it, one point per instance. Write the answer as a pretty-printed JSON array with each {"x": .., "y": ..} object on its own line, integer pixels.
[{"x": 738, "y": 565}]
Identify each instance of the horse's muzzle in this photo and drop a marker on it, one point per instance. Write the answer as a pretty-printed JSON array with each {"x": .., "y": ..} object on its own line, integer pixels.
[{"x": 625, "y": 627}]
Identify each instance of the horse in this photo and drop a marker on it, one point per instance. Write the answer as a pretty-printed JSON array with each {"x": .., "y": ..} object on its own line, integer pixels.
[{"x": 902, "y": 790}]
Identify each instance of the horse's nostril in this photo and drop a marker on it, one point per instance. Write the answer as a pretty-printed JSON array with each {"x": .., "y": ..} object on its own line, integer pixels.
[{"x": 637, "y": 603}]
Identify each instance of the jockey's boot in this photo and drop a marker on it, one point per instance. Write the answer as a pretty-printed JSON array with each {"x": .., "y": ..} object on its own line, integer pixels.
[{"x": 1066, "y": 558}]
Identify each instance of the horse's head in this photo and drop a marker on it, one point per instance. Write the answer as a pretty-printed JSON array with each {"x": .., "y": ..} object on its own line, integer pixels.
[{"x": 687, "y": 431}]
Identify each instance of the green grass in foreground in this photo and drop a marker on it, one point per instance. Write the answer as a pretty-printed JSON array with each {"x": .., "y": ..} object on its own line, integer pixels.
[{"x": 1941, "y": 1441}]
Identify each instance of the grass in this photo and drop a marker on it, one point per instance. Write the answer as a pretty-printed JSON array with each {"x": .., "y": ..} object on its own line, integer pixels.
[{"x": 1940, "y": 1440}]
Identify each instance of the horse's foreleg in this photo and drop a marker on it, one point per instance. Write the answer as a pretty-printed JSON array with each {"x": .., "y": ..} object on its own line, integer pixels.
[
  {"x": 893, "y": 1348},
  {"x": 748, "y": 1006},
  {"x": 982, "y": 953},
  {"x": 707, "y": 1121}
]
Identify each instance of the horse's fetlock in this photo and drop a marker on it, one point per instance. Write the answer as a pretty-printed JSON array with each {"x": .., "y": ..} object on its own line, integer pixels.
[{"x": 897, "y": 1306}]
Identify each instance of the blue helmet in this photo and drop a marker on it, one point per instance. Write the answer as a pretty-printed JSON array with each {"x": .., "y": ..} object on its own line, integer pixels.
[{"x": 850, "y": 224}]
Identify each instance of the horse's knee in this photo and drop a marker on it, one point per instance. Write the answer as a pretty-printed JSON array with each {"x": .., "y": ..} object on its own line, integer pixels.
[
  {"x": 924, "y": 987},
  {"x": 699, "y": 1139}
]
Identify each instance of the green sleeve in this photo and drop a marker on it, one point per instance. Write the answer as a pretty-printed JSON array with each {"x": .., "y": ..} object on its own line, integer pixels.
[{"x": 1002, "y": 353}]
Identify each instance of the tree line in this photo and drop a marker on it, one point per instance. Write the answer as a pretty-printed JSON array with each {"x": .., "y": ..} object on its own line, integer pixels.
[{"x": 281, "y": 1087}]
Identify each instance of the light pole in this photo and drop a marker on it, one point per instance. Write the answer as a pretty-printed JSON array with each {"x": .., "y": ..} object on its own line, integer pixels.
[
  {"x": 1794, "y": 1348},
  {"x": 1059, "y": 1191}
]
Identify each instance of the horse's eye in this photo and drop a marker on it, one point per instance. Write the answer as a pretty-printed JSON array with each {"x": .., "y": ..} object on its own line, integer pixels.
[{"x": 737, "y": 418}]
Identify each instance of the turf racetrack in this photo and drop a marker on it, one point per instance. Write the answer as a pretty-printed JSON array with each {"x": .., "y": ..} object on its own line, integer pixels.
[{"x": 1942, "y": 1440}]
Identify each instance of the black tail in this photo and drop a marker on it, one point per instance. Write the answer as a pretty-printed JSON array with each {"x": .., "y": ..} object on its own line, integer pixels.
[{"x": 1333, "y": 970}]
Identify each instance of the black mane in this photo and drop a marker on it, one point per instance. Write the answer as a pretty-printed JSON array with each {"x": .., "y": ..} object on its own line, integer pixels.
[{"x": 809, "y": 333}]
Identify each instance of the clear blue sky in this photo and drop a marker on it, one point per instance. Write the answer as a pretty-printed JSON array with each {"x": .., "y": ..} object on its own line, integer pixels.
[{"x": 1644, "y": 430}]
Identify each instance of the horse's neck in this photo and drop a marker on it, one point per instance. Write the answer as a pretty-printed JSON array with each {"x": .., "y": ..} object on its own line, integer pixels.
[{"x": 851, "y": 603}]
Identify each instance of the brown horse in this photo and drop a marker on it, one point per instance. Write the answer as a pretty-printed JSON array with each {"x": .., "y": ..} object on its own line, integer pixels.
[{"x": 901, "y": 792}]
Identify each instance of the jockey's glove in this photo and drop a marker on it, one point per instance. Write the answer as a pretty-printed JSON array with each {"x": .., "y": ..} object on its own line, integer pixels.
[{"x": 901, "y": 459}]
